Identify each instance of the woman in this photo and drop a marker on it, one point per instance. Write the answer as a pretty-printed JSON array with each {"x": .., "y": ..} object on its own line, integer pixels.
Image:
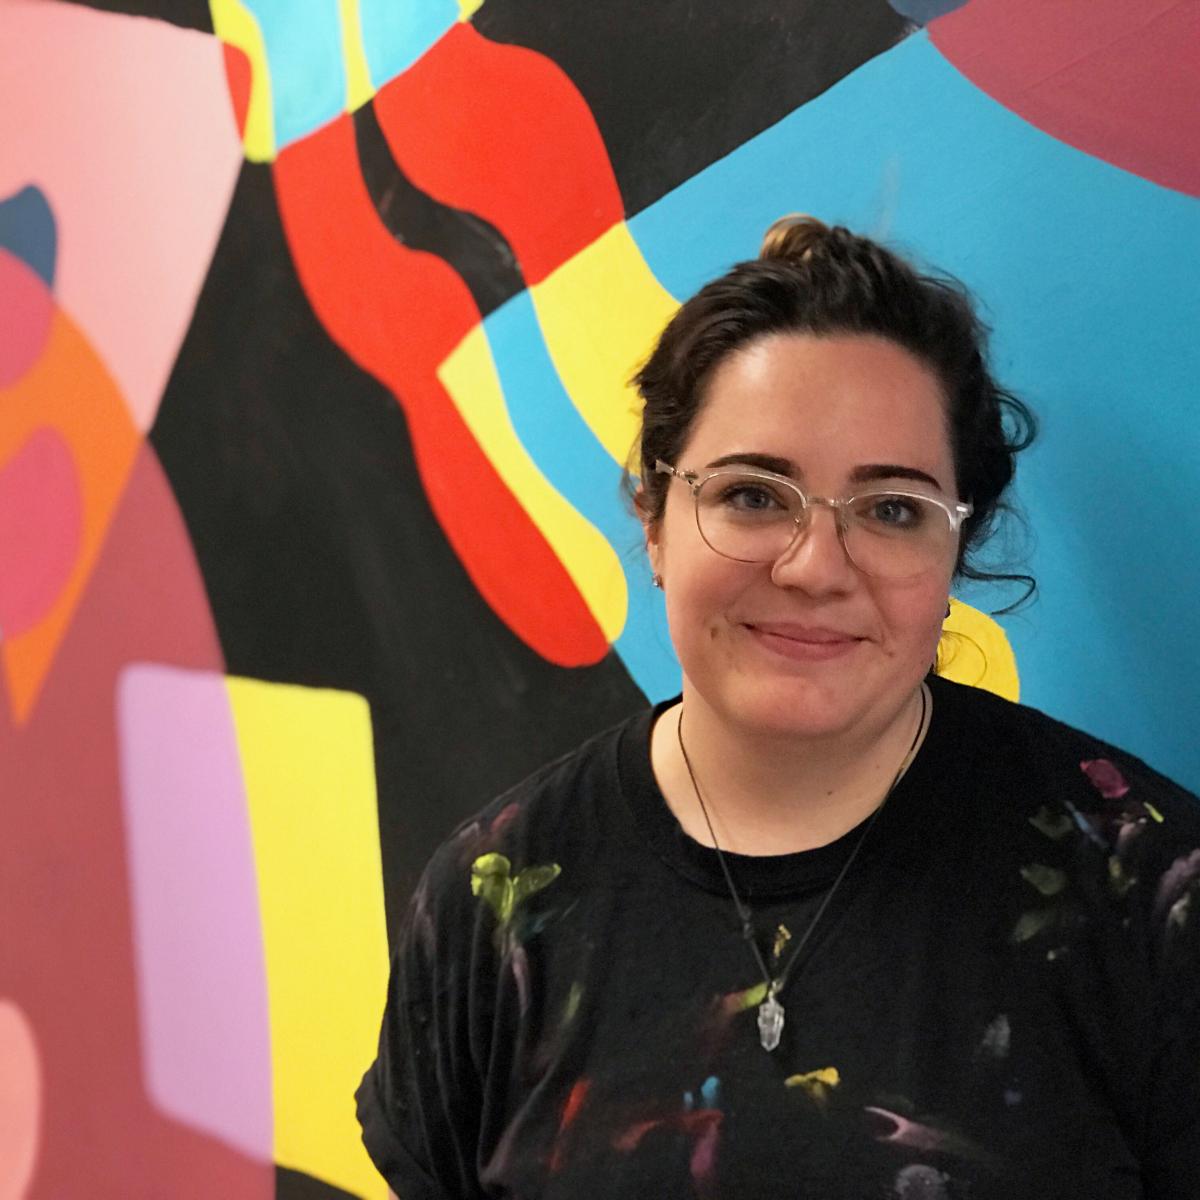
[{"x": 826, "y": 925}]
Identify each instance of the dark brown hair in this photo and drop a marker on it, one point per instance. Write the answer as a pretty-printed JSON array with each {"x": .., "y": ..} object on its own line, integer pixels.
[{"x": 811, "y": 278}]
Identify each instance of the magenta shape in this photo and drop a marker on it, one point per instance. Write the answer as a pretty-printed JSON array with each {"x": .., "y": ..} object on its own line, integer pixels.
[
  {"x": 41, "y": 526},
  {"x": 1114, "y": 79},
  {"x": 198, "y": 952},
  {"x": 26, "y": 314}
]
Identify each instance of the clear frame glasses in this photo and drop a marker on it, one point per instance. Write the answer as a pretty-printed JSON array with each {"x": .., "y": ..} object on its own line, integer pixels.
[{"x": 755, "y": 516}]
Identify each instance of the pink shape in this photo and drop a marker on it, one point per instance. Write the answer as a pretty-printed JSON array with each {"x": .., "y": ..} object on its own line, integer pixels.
[
  {"x": 41, "y": 525},
  {"x": 127, "y": 127},
  {"x": 26, "y": 312},
  {"x": 1112, "y": 78},
  {"x": 197, "y": 943},
  {"x": 20, "y": 1101}
]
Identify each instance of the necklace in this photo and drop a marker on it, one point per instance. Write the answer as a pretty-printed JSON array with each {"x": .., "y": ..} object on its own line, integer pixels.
[{"x": 770, "y": 1011}]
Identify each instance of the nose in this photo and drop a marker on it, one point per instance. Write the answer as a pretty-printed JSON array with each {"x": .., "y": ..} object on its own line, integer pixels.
[{"x": 816, "y": 561}]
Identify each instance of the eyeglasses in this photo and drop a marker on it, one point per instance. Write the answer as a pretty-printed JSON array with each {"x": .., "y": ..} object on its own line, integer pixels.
[{"x": 756, "y": 516}]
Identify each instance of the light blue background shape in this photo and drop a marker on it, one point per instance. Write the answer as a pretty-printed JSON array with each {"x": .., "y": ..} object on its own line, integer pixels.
[{"x": 1088, "y": 275}]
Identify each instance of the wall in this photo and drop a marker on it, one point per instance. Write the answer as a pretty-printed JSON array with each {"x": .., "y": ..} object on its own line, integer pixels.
[{"x": 315, "y": 322}]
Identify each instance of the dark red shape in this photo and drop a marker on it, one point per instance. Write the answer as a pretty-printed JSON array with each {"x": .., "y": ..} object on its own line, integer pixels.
[
  {"x": 397, "y": 313},
  {"x": 503, "y": 132},
  {"x": 1110, "y": 77},
  {"x": 68, "y": 956},
  {"x": 239, "y": 75}
]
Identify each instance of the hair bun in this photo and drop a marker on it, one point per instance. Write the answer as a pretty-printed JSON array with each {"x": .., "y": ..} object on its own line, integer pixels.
[{"x": 794, "y": 237}]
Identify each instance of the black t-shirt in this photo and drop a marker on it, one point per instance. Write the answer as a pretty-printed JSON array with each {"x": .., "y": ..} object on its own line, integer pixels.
[{"x": 1002, "y": 1000}]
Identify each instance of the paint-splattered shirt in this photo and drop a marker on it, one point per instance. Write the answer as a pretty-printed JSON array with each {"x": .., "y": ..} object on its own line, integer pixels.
[{"x": 1002, "y": 1001}]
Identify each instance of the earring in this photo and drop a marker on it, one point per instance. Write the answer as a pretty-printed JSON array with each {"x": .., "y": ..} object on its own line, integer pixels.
[{"x": 657, "y": 580}]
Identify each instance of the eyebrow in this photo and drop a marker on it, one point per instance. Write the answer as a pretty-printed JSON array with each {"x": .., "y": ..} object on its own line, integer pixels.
[{"x": 868, "y": 473}]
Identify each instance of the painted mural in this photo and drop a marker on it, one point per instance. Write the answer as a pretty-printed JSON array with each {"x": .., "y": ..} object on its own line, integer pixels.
[{"x": 316, "y": 322}]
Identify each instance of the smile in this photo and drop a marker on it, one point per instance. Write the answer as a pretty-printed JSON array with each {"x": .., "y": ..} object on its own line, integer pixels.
[{"x": 802, "y": 643}]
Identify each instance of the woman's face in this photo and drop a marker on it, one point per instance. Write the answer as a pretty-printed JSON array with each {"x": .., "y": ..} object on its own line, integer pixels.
[{"x": 808, "y": 645}]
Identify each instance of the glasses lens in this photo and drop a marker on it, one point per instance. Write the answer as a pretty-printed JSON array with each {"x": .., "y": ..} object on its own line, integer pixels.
[
  {"x": 894, "y": 535},
  {"x": 747, "y": 517}
]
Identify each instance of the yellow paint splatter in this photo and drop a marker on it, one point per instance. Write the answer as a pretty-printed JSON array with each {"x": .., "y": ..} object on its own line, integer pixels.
[
  {"x": 783, "y": 935},
  {"x": 816, "y": 1084},
  {"x": 1117, "y": 877},
  {"x": 975, "y": 650},
  {"x": 1154, "y": 813}
]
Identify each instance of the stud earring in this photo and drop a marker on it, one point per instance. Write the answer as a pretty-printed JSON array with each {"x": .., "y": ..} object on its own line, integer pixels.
[{"x": 657, "y": 580}]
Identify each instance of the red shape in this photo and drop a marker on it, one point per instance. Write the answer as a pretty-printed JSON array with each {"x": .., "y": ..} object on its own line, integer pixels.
[
  {"x": 26, "y": 314},
  {"x": 1112, "y": 78},
  {"x": 41, "y": 527},
  {"x": 64, "y": 884},
  {"x": 398, "y": 313},
  {"x": 503, "y": 132},
  {"x": 239, "y": 75}
]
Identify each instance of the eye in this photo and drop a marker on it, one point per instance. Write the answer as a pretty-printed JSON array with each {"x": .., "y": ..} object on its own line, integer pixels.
[
  {"x": 750, "y": 496},
  {"x": 885, "y": 510}
]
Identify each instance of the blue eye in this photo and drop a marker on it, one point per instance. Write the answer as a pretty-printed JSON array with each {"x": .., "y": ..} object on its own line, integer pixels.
[
  {"x": 750, "y": 497},
  {"x": 893, "y": 512}
]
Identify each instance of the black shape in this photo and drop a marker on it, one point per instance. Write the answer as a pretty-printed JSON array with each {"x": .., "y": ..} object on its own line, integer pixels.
[
  {"x": 296, "y": 1185},
  {"x": 188, "y": 14},
  {"x": 675, "y": 85},
  {"x": 476, "y": 249},
  {"x": 325, "y": 566}
]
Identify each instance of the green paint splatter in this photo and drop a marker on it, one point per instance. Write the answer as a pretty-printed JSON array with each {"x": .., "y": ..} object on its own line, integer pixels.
[
  {"x": 1054, "y": 825},
  {"x": 1154, "y": 813},
  {"x": 1032, "y": 923},
  {"x": 572, "y": 1007},
  {"x": 1120, "y": 881},
  {"x": 1048, "y": 880},
  {"x": 492, "y": 881}
]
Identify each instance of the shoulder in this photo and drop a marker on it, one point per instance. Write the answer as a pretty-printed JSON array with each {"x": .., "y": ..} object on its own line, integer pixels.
[
  {"x": 1103, "y": 808},
  {"x": 1036, "y": 742},
  {"x": 563, "y": 813}
]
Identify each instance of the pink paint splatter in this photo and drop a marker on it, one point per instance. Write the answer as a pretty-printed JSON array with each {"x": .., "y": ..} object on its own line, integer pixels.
[{"x": 1105, "y": 778}]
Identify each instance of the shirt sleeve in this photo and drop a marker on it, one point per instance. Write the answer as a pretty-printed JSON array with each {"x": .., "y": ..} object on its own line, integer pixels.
[
  {"x": 419, "y": 1103},
  {"x": 1171, "y": 1167}
]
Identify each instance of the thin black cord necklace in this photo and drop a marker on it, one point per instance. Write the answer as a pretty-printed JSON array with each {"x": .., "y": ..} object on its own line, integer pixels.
[{"x": 770, "y": 1011}]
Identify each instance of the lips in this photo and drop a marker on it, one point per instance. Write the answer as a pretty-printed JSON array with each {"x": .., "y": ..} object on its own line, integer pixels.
[
  {"x": 812, "y": 634},
  {"x": 801, "y": 643}
]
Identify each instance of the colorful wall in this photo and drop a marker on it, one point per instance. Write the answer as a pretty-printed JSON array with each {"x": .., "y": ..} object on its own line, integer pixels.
[{"x": 315, "y": 321}]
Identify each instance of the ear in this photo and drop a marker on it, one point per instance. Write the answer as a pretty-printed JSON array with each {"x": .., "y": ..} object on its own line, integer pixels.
[{"x": 651, "y": 532}]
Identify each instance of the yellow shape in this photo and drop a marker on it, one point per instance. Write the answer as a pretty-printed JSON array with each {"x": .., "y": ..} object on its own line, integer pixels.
[
  {"x": 977, "y": 652},
  {"x": 817, "y": 1084},
  {"x": 237, "y": 26},
  {"x": 468, "y": 8},
  {"x": 309, "y": 769},
  {"x": 469, "y": 375},
  {"x": 600, "y": 313},
  {"x": 359, "y": 88}
]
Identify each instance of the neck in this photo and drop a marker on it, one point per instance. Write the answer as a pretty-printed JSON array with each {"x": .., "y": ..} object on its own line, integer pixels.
[{"x": 771, "y": 794}]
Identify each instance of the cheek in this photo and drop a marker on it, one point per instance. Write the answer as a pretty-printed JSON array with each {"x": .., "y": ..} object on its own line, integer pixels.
[{"x": 912, "y": 615}]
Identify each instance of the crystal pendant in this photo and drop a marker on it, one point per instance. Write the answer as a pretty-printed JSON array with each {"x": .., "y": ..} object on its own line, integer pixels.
[{"x": 770, "y": 1022}]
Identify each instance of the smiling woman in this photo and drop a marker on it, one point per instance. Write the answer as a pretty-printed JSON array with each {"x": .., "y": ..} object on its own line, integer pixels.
[{"x": 761, "y": 933}]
